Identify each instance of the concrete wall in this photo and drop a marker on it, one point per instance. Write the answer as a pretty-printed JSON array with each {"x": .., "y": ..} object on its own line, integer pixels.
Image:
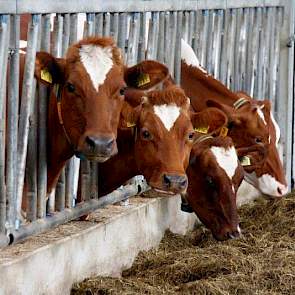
[{"x": 107, "y": 244}]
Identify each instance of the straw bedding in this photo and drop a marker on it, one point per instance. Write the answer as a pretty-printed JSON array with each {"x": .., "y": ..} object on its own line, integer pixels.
[{"x": 261, "y": 262}]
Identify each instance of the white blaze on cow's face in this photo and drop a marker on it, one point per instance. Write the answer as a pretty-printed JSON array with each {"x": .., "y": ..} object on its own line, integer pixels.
[
  {"x": 226, "y": 158},
  {"x": 168, "y": 114},
  {"x": 97, "y": 62},
  {"x": 267, "y": 184}
]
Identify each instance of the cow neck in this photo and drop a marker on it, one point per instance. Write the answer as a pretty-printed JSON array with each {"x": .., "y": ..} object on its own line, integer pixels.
[
  {"x": 58, "y": 93},
  {"x": 201, "y": 87}
]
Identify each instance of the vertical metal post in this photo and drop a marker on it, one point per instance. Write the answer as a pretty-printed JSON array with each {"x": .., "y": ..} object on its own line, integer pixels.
[
  {"x": 12, "y": 121},
  {"x": 42, "y": 128},
  {"x": 4, "y": 33},
  {"x": 28, "y": 90},
  {"x": 178, "y": 48}
]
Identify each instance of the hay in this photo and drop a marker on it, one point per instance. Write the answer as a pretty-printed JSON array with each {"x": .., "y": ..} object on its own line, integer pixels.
[{"x": 262, "y": 262}]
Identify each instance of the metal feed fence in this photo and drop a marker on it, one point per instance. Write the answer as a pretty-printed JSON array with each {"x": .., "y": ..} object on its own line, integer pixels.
[{"x": 248, "y": 45}]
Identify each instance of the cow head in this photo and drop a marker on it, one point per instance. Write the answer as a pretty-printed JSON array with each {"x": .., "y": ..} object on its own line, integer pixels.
[
  {"x": 214, "y": 176},
  {"x": 269, "y": 177},
  {"x": 246, "y": 123},
  {"x": 87, "y": 93},
  {"x": 164, "y": 137}
]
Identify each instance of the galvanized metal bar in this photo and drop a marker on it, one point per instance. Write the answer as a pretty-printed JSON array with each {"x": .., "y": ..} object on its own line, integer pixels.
[
  {"x": 204, "y": 40},
  {"x": 72, "y": 179},
  {"x": 153, "y": 36},
  {"x": 167, "y": 41},
  {"x": 237, "y": 51},
  {"x": 93, "y": 180},
  {"x": 42, "y": 127},
  {"x": 31, "y": 166},
  {"x": 90, "y": 24},
  {"x": 72, "y": 6},
  {"x": 122, "y": 33},
  {"x": 191, "y": 27},
  {"x": 255, "y": 55},
  {"x": 272, "y": 56},
  {"x": 197, "y": 44},
  {"x": 231, "y": 46},
  {"x": 250, "y": 33},
  {"x": 60, "y": 192},
  {"x": 185, "y": 29},
  {"x": 177, "y": 61},
  {"x": 286, "y": 105},
  {"x": 81, "y": 209},
  {"x": 12, "y": 120},
  {"x": 115, "y": 26},
  {"x": 65, "y": 34},
  {"x": 28, "y": 90},
  {"x": 218, "y": 22},
  {"x": 4, "y": 43},
  {"x": 242, "y": 50},
  {"x": 85, "y": 180},
  {"x": 224, "y": 47},
  {"x": 261, "y": 50},
  {"x": 73, "y": 28},
  {"x": 57, "y": 36},
  {"x": 161, "y": 39},
  {"x": 209, "y": 53},
  {"x": 173, "y": 42},
  {"x": 99, "y": 24},
  {"x": 107, "y": 24},
  {"x": 142, "y": 37}
]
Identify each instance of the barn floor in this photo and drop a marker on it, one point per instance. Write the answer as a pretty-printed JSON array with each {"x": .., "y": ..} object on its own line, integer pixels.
[{"x": 262, "y": 262}]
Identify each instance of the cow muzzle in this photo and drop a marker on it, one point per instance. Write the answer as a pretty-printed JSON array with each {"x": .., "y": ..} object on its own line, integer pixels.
[
  {"x": 174, "y": 182},
  {"x": 98, "y": 148},
  {"x": 227, "y": 233}
]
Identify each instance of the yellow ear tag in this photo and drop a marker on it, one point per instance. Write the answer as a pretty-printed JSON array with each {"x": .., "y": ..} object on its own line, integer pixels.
[
  {"x": 203, "y": 130},
  {"x": 245, "y": 161},
  {"x": 143, "y": 79},
  {"x": 46, "y": 76},
  {"x": 223, "y": 132},
  {"x": 130, "y": 124}
]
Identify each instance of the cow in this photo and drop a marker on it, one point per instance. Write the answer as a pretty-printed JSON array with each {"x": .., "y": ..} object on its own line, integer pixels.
[
  {"x": 86, "y": 98},
  {"x": 214, "y": 175},
  {"x": 155, "y": 139},
  {"x": 250, "y": 123}
]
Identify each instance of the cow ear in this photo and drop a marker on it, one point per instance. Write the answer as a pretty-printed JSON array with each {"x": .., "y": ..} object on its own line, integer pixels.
[
  {"x": 229, "y": 111},
  {"x": 48, "y": 69},
  {"x": 146, "y": 74},
  {"x": 129, "y": 115},
  {"x": 209, "y": 120}
]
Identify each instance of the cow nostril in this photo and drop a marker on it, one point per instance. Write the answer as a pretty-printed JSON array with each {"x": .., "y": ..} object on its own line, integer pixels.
[
  {"x": 167, "y": 180},
  {"x": 110, "y": 143},
  {"x": 280, "y": 191},
  {"x": 90, "y": 141},
  {"x": 183, "y": 183}
]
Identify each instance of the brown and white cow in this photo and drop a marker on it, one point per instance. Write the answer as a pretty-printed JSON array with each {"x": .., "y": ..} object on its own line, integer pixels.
[
  {"x": 86, "y": 98},
  {"x": 269, "y": 176},
  {"x": 215, "y": 175},
  {"x": 157, "y": 146},
  {"x": 250, "y": 123}
]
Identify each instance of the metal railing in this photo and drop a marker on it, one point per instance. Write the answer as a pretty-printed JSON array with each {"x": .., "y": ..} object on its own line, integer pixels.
[{"x": 242, "y": 43}]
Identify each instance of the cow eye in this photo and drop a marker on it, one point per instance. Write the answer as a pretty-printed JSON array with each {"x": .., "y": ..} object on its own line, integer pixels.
[
  {"x": 70, "y": 87},
  {"x": 191, "y": 135},
  {"x": 145, "y": 134},
  {"x": 258, "y": 139},
  {"x": 210, "y": 182},
  {"x": 122, "y": 90}
]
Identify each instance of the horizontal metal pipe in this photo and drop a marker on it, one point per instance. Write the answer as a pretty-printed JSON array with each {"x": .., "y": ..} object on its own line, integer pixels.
[
  {"x": 4, "y": 240},
  {"x": 40, "y": 225},
  {"x": 72, "y": 6}
]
